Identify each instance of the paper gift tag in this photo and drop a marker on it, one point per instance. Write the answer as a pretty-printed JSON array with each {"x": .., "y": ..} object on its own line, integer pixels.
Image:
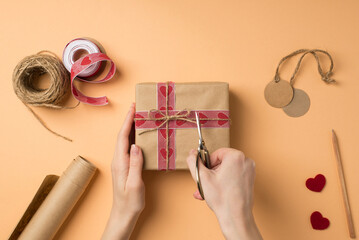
[
  {"x": 278, "y": 94},
  {"x": 281, "y": 94},
  {"x": 299, "y": 105}
]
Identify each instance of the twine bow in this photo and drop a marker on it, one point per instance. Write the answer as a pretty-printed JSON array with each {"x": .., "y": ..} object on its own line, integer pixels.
[{"x": 166, "y": 118}]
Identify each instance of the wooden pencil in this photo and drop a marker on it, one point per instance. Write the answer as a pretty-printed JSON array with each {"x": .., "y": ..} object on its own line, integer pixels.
[{"x": 343, "y": 185}]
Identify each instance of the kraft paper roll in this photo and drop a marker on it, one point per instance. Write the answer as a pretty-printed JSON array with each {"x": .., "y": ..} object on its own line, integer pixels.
[
  {"x": 61, "y": 200},
  {"x": 41, "y": 194}
]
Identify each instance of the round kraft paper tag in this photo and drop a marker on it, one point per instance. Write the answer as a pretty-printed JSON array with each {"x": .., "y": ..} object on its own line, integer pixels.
[
  {"x": 299, "y": 105},
  {"x": 278, "y": 94}
]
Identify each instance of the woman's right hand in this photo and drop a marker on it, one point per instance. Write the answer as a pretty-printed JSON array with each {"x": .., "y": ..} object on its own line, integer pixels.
[{"x": 228, "y": 190}]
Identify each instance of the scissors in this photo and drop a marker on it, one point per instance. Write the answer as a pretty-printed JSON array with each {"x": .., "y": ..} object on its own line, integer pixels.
[{"x": 202, "y": 154}]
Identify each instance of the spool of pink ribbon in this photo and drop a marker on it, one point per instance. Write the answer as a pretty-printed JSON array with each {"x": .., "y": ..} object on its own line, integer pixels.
[{"x": 88, "y": 64}]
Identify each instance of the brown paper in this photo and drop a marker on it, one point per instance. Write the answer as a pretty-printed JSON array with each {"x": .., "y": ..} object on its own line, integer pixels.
[
  {"x": 299, "y": 105},
  {"x": 190, "y": 96},
  {"x": 61, "y": 200},
  {"x": 41, "y": 194}
]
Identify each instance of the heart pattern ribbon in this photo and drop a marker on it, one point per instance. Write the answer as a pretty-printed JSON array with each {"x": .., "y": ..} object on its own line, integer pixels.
[
  {"x": 81, "y": 65},
  {"x": 165, "y": 120}
]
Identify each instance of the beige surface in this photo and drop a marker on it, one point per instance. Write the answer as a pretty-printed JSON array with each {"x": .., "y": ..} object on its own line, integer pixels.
[{"x": 239, "y": 42}]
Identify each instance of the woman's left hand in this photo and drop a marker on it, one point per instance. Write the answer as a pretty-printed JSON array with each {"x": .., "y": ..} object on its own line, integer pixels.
[{"x": 128, "y": 186}]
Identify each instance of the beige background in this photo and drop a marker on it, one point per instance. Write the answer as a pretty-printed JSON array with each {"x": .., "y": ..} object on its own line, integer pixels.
[{"x": 236, "y": 41}]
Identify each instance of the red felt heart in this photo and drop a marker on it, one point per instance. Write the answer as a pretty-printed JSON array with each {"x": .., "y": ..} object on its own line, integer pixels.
[
  {"x": 222, "y": 116},
  {"x": 86, "y": 61},
  {"x": 164, "y": 108},
  {"x": 158, "y": 115},
  {"x": 318, "y": 221},
  {"x": 201, "y": 115},
  {"x": 316, "y": 184},
  {"x": 163, "y": 90},
  {"x": 163, "y": 132},
  {"x": 164, "y": 152},
  {"x": 139, "y": 122}
]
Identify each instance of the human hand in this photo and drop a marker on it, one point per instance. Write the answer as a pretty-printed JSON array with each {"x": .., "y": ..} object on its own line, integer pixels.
[
  {"x": 128, "y": 187},
  {"x": 228, "y": 190}
]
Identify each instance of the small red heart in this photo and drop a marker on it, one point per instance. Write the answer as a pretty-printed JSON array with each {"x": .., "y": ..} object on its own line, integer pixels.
[
  {"x": 318, "y": 221},
  {"x": 164, "y": 108},
  {"x": 157, "y": 122},
  {"x": 201, "y": 115},
  {"x": 164, "y": 152},
  {"x": 139, "y": 122},
  {"x": 163, "y": 90},
  {"x": 163, "y": 132},
  {"x": 316, "y": 184},
  {"x": 222, "y": 116},
  {"x": 86, "y": 61},
  {"x": 180, "y": 122}
]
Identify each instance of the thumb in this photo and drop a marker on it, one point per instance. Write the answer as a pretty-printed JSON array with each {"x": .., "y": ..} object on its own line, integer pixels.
[
  {"x": 191, "y": 162},
  {"x": 136, "y": 164}
]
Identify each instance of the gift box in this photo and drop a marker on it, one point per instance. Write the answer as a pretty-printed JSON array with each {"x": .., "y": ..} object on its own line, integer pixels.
[{"x": 165, "y": 122}]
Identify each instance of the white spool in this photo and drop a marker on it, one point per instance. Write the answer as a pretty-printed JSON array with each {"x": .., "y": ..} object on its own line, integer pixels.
[{"x": 76, "y": 46}]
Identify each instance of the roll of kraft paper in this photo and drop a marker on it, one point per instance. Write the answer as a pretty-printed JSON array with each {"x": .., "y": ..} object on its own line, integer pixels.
[{"x": 61, "y": 200}]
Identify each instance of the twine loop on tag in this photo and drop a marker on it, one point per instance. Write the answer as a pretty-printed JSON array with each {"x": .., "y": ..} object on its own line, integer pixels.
[
  {"x": 28, "y": 70},
  {"x": 326, "y": 77}
]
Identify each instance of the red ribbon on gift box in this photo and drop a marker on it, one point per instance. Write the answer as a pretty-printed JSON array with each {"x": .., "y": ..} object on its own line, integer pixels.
[{"x": 165, "y": 120}]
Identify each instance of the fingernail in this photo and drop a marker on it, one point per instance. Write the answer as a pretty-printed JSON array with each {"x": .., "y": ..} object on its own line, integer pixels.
[
  {"x": 134, "y": 149},
  {"x": 192, "y": 151}
]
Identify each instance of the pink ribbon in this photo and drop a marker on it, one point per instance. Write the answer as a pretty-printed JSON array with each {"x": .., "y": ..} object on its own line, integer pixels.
[{"x": 82, "y": 64}]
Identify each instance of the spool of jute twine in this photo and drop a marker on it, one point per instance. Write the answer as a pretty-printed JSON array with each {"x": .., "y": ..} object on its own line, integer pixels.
[{"x": 27, "y": 73}]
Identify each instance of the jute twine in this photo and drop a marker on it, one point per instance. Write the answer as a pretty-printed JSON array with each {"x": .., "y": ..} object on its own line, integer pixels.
[
  {"x": 326, "y": 77},
  {"x": 26, "y": 73}
]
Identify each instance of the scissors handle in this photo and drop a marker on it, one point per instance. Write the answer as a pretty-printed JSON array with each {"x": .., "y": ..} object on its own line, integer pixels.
[{"x": 203, "y": 155}]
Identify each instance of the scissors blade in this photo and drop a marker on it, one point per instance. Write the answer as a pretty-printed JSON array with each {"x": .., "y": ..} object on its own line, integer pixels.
[{"x": 198, "y": 127}]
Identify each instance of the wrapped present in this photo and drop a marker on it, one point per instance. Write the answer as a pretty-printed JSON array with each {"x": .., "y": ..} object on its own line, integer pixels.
[{"x": 165, "y": 123}]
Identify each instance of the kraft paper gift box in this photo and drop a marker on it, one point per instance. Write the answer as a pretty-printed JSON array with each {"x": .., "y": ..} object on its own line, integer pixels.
[{"x": 168, "y": 109}]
